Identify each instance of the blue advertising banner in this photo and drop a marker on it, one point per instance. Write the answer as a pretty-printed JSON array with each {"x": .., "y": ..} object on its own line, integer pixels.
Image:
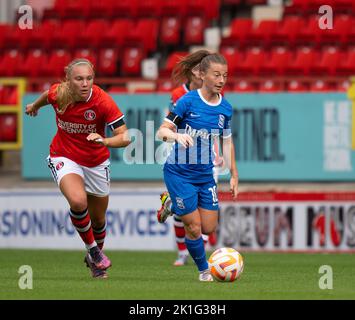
[{"x": 277, "y": 137}]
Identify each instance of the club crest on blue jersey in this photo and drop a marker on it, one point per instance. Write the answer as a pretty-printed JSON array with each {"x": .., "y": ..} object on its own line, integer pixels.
[
  {"x": 180, "y": 203},
  {"x": 221, "y": 121}
]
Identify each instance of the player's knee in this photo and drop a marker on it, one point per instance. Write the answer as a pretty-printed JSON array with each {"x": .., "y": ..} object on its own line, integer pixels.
[
  {"x": 193, "y": 230},
  {"x": 208, "y": 229},
  {"x": 78, "y": 203}
]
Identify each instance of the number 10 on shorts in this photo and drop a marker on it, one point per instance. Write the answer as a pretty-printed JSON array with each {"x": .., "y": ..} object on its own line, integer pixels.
[{"x": 214, "y": 195}]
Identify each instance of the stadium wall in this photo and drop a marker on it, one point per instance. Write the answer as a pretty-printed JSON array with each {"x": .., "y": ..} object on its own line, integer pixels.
[
  {"x": 258, "y": 221},
  {"x": 278, "y": 137}
]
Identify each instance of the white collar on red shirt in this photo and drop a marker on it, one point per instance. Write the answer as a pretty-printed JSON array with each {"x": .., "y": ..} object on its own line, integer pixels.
[{"x": 89, "y": 95}]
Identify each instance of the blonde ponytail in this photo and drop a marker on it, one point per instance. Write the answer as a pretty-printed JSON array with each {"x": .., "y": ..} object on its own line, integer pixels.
[{"x": 64, "y": 96}]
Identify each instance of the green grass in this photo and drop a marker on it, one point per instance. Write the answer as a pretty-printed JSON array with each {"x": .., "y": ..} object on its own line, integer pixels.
[{"x": 150, "y": 275}]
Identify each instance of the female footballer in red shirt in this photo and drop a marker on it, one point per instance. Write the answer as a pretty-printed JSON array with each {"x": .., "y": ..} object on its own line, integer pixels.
[{"x": 79, "y": 158}]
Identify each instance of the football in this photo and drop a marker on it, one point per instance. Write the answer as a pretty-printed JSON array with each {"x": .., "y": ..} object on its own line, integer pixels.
[{"x": 226, "y": 264}]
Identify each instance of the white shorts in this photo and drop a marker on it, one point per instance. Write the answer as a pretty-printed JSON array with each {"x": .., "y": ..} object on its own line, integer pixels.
[{"x": 96, "y": 179}]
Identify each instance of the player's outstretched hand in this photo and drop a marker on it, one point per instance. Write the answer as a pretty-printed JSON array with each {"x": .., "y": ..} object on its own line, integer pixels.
[
  {"x": 234, "y": 187},
  {"x": 31, "y": 110},
  {"x": 185, "y": 140},
  {"x": 95, "y": 137}
]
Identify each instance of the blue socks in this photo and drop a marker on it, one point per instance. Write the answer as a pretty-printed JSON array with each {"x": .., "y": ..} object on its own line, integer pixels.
[{"x": 197, "y": 251}]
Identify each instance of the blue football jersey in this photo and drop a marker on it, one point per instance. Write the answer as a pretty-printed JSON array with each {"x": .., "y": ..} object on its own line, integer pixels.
[{"x": 204, "y": 122}]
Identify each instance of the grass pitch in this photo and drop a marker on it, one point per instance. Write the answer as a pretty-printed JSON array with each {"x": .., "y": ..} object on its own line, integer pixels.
[{"x": 151, "y": 276}]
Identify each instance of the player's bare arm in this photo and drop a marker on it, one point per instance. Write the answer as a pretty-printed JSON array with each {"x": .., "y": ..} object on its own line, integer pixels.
[
  {"x": 120, "y": 138},
  {"x": 167, "y": 132},
  {"x": 32, "y": 108},
  {"x": 230, "y": 162}
]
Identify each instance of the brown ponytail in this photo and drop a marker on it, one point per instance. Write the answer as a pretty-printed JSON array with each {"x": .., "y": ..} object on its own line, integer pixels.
[{"x": 182, "y": 71}]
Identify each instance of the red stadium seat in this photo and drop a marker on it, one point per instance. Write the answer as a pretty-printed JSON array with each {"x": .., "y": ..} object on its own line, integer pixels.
[
  {"x": 311, "y": 34},
  {"x": 194, "y": 30},
  {"x": 144, "y": 34},
  {"x": 171, "y": 61},
  {"x": 340, "y": 32},
  {"x": 4, "y": 31},
  {"x": 170, "y": 31},
  {"x": 244, "y": 86},
  {"x": 57, "y": 61},
  {"x": 9, "y": 95},
  {"x": 288, "y": 31},
  {"x": 270, "y": 86},
  {"x": 351, "y": 35},
  {"x": 240, "y": 32},
  {"x": 279, "y": 59},
  {"x": 67, "y": 9},
  {"x": 346, "y": 6},
  {"x": 42, "y": 34},
  {"x": 174, "y": 8},
  {"x": 149, "y": 8},
  {"x": 254, "y": 59},
  {"x": 99, "y": 9},
  {"x": 86, "y": 54},
  {"x": 18, "y": 38},
  {"x": 107, "y": 62},
  {"x": 92, "y": 33},
  {"x": 70, "y": 9},
  {"x": 33, "y": 63},
  {"x": 328, "y": 63},
  {"x": 8, "y": 125},
  {"x": 10, "y": 63},
  {"x": 233, "y": 57},
  {"x": 209, "y": 9},
  {"x": 131, "y": 61},
  {"x": 347, "y": 65},
  {"x": 314, "y": 5},
  {"x": 67, "y": 34},
  {"x": 1, "y": 94},
  {"x": 116, "y": 33},
  {"x": 124, "y": 8},
  {"x": 296, "y": 86},
  {"x": 263, "y": 33},
  {"x": 304, "y": 59},
  {"x": 321, "y": 86}
]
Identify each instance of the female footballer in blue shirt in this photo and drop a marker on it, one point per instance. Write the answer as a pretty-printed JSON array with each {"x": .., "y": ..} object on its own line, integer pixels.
[{"x": 200, "y": 117}]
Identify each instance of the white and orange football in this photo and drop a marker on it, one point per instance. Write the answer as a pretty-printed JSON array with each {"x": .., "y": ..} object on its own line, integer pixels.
[{"x": 226, "y": 264}]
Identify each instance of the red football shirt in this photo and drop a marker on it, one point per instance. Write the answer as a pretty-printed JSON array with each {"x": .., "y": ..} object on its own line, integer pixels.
[
  {"x": 178, "y": 93},
  {"x": 78, "y": 121}
]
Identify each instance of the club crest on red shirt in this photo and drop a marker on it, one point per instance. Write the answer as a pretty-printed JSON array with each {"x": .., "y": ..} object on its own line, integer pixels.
[
  {"x": 90, "y": 115},
  {"x": 59, "y": 166}
]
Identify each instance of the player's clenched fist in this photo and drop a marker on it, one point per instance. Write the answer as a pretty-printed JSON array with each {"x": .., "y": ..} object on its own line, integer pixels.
[{"x": 31, "y": 110}]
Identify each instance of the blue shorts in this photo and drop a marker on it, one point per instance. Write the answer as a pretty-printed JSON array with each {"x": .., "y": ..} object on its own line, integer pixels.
[{"x": 187, "y": 196}]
